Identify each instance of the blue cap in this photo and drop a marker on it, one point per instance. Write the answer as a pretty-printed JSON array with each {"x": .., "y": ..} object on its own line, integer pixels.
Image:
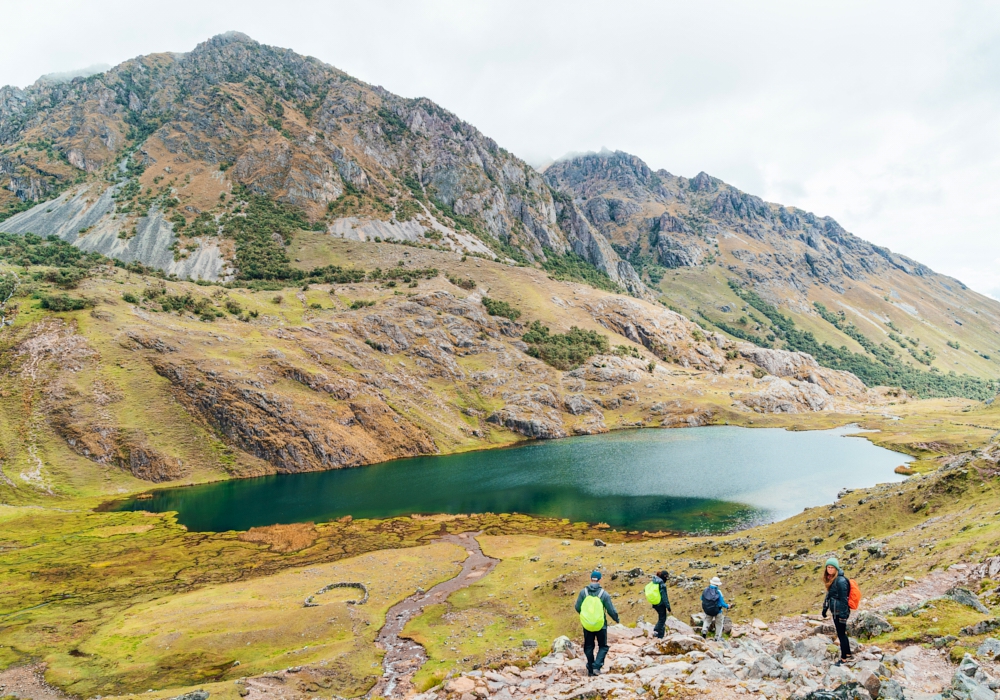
[{"x": 595, "y": 574}]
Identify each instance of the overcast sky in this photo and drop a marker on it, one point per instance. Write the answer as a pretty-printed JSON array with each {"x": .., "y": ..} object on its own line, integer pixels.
[{"x": 884, "y": 115}]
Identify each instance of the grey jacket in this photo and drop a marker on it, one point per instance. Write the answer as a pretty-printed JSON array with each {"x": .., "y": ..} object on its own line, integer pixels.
[{"x": 595, "y": 589}]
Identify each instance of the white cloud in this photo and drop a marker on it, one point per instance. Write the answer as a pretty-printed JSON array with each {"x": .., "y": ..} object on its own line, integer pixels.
[{"x": 882, "y": 115}]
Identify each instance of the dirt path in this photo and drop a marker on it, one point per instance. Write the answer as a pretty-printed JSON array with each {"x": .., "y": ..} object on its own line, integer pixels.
[
  {"x": 28, "y": 682},
  {"x": 404, "y": 657}
]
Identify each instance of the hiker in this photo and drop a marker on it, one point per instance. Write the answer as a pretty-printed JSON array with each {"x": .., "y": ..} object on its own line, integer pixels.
[
  {"x": 838, "y": 591},
  {"x": 712, "y": 604},
  {"x": 592, "y": 603},
  {"x": 656, "y": 594}
]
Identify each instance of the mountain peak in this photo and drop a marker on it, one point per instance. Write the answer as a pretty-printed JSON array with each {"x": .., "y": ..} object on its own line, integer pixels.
[{"x": 230, "y": 37}]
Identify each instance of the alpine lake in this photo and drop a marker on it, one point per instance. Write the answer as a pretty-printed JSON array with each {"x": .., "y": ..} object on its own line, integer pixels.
[{"x": 690, "y": 480}]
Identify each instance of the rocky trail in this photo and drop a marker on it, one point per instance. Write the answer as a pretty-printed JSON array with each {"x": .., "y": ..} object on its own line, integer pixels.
[{"x": 791, "y": 658}]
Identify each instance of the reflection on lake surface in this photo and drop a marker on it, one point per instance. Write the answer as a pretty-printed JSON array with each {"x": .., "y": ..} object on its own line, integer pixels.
[{"x": 691, "y": 479}]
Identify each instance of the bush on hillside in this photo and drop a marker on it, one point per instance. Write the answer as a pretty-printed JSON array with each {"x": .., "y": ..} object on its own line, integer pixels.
[
  {"x": 564, "y": 351},
  {"x": 63, "y": 302},
  {"x": 496, "y": 307}
]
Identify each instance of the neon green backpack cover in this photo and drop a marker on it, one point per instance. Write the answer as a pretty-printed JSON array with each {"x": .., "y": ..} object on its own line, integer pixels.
[
  {"x": 592, "y": 613},
  {"x": 653, "y": 593}
]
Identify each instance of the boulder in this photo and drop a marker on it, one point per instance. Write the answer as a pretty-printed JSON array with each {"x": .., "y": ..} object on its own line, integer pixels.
[
  {"x": 891, "y": 690},
  {"x": 563, "y": 645},
  {"x": 460, "y": 685},
  {"x": 654, "y": 676},
  {"x": 847, "y": 691},
  {"x": 618, "y": 632},
  {"x": 675, "y": 625},
  {"x": 870, "y": 681},
  {"x": 195, "y": 695},
  {"x": 678, "y": 644},
  {"x": 765, "y": 666},
  {"x": 838, "y": 675},
  {"x": 989, "y": 649},
  {"x": 709, "y": 670},
  {"x": 984, "y": 627},
  {"x": 965, "y": 688},
  {"x": 964, "y": 596},
  {"x": 867, "y": 624},
  {"x": 812, "y": 649},
  {"x": 876, "y": 667}
]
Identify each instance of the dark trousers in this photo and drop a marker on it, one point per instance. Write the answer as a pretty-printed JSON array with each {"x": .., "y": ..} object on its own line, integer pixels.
[
  {"x": 845, "y": 644},
  {"x": 588, "y": 648},
  {"x": 661, "y": 620}
]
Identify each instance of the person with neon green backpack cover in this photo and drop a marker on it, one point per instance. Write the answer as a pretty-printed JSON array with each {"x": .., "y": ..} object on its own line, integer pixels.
[
  {"x": 592, "y": 604},
  {"x": 656, "y": 594}
]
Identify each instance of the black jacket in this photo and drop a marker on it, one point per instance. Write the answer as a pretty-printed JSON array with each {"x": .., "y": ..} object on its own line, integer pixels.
[
  {"x": 836, "y": 598},
  {"x": 664, "y": 598}
]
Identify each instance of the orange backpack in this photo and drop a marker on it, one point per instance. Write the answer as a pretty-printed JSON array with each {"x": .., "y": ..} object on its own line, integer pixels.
[{"x": 854, "y": 597}]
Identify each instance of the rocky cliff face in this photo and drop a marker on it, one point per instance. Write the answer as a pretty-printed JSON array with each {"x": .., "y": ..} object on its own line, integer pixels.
[
  {"x": 679, "y": 222},
  {"x": 358, "y": 161},
  {"x": 688, "y": 237}
]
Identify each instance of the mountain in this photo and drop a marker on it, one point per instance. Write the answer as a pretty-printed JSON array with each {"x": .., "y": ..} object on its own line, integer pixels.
[
  {"x": 703, "y": 245},
  {"x": 210, "y": 164},
  {"x": 140, "y": 163}
]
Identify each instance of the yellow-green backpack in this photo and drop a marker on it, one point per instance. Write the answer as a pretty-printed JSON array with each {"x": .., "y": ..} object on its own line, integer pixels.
[
  {"x": 653, "y": 593},
  {"x": 592, "y": 613}
]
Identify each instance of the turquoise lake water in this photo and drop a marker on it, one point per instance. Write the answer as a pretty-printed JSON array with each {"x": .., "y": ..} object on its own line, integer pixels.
[{"x": 696, "y": 480}]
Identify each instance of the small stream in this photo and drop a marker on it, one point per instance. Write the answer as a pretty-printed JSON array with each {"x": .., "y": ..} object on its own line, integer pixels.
[{"x": 404, "y": 657}]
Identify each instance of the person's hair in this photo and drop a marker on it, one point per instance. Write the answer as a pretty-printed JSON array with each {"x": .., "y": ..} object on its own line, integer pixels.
[
  {"x": 829, "y": 578},
  {"x": 662, "y": 573}
]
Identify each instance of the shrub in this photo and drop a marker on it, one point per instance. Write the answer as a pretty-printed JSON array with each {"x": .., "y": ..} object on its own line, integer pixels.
[
  {"x": 277, "y": 299},
  {"x": 564, "y": 351},
  {"x": 627, "y": 351},
  {"x": 496, "y": 307},
  {"x": 233, "y": 308},
  {"x": 361, "y": 303},
  {"x": 467, "y": 284},
  {"x": 65, "y": 277},
  {"x": 129, "y": 298},
  {"x": 65, "y": 303}
]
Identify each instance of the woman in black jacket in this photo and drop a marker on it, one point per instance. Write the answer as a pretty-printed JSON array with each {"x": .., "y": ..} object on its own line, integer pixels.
[
  {"x": 660, "y": 579},
  {"x": 838, "y": 590}
]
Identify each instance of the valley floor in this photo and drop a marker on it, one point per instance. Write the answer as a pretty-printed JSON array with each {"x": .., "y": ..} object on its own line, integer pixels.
[{"x": 105, "y": 402}]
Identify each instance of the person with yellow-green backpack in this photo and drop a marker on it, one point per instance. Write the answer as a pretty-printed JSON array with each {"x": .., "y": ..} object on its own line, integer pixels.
[
  {"x": 656, "y": 594},
  {"x": 592, "y": 604}
]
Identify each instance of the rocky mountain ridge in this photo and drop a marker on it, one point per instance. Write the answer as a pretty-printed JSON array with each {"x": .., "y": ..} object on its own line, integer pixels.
[
  {"x": 358, "y": 161},
  {"x": 685, "y": 235}
]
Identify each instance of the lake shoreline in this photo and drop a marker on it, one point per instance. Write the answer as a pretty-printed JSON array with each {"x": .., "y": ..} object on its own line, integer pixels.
[{"x": 636, "y": 479}]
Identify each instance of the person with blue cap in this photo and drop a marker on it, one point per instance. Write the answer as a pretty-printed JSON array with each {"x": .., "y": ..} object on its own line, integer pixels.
[{"x": 592, "y": 604}]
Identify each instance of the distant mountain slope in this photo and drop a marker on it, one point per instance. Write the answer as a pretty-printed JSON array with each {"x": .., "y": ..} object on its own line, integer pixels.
[
  {"x": 144, "y": 159},
  {"x": 690, "y": 237}
]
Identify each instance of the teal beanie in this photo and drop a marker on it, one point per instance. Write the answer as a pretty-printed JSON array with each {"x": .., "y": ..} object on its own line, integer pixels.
[{"x": 832, "y": 561}]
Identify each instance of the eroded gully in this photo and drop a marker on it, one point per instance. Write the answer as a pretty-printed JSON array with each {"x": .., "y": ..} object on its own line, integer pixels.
[{"x": 404, "y": 657}]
